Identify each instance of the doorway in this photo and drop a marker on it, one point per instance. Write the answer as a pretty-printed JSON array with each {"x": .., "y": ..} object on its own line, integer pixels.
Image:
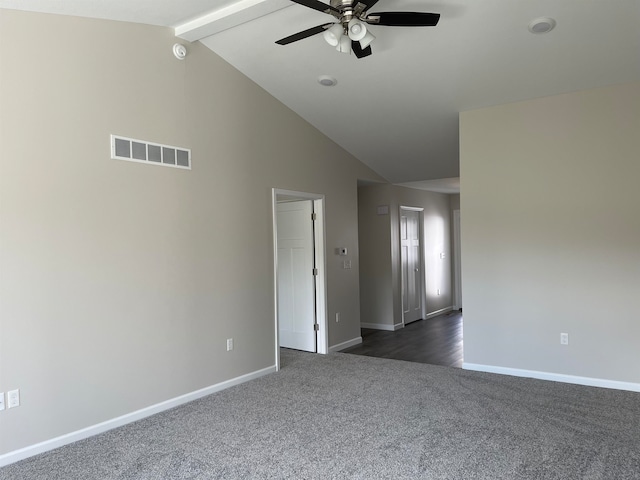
[
  {"x": 299, "y": 272},
  {"x": 411, "y": 260}
]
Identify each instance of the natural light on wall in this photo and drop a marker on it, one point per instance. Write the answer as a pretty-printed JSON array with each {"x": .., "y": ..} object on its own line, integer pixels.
[{"x": 435, "y": 256}]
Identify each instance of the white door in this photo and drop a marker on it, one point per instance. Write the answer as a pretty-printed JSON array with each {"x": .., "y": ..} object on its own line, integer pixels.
[
  {"x": 411, "y": 261},
  {"x": 296, "y": 287}
]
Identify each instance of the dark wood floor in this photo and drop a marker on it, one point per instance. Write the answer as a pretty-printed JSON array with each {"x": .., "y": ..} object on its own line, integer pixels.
[{"x": 437, "y": 341}]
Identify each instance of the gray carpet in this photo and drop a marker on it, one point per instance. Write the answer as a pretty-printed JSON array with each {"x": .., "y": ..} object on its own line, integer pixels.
[{"x": 352, "y": 417}]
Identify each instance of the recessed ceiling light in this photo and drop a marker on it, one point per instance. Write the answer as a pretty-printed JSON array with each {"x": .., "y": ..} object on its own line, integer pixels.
[
  {"x": 327, "y": 81},
  {"x": 542, "y": 25}
]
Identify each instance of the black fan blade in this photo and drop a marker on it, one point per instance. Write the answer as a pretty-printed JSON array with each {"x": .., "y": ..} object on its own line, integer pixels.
[
  {"x": 304, "y": 34},
  {"x": 359, "y": 51},
  {"x": 317, "y": 5},
  {"x": 403, "y": 19}
]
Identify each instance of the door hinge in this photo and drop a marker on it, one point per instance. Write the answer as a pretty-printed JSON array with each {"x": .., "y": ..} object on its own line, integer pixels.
[
  {"x": 315, "y": 271},
  {"x": 316, "y": 327},
  {"x": 313, "y": 216}
]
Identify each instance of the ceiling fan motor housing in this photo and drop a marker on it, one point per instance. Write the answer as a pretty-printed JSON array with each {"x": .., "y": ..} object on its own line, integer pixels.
[{"x": 348, "y": 9}]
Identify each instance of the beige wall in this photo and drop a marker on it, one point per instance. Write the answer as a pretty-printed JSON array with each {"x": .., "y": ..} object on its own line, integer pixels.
[
  {"x": 120, "y": 281},
  {"x": 551, "y": 234},
  {"x": 380, "y": 284}
]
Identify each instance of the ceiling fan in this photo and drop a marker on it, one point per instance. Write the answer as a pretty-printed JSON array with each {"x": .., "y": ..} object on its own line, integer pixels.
[{"x": 350, "y": 33}]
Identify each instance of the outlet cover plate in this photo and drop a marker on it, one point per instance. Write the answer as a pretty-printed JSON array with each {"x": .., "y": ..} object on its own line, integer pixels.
[{"x": 13, "y": 398}]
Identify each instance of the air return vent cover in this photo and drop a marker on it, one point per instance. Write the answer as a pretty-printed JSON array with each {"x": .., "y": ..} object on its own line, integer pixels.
[{"x": 123, "y": 148}]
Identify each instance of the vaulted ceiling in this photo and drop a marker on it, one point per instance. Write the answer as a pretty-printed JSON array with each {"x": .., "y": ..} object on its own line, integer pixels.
[{"x": 397, "y": 110}]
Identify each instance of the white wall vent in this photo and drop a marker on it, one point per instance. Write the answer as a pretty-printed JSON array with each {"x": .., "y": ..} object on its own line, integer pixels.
[{"x": 123, "y": 148}]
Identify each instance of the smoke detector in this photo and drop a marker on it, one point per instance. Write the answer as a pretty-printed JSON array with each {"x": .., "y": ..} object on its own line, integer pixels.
[
  {"x": 327, "y": 81},
  {"x": 180, "y": 51},
  {"x": 542, "y": 25}
]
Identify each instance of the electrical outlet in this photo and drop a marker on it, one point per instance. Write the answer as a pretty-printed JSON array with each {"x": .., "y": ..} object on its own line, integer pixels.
[
  {"x": 564, "y": 339},
  {"x": 1, "y": 401},
  {"x": 229, "y": 344},
  {"x": 337, "y": 317},
  {"x": 13, "y": 397}
]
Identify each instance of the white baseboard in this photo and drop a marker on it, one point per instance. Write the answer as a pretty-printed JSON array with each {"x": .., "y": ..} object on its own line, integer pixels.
[
  {"x": 382, "y": 326},
  {"x": 349, "y": 343},
  {"x": 21, "y": 454},
  {"x": 554, "y": 377},
  {"x": 438, "y": 312}
]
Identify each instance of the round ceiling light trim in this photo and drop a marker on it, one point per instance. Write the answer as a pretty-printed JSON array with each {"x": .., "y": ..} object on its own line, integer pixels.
[
  {"x": 327, "y": 81},
  {"x": 542, "y": 25}
]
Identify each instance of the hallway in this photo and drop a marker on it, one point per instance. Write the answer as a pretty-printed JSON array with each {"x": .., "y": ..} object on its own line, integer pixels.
[{"x": 437, "y": 341}]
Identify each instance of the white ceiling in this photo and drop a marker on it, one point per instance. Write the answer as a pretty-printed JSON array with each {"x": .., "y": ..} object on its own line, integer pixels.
[{"x": 397, "y": 110}]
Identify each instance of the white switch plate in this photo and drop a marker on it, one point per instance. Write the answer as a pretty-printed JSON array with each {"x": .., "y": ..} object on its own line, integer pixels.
[
  {"x": 13, "y": 398},
  {"x": 1, "y": 400},
  {"x": 229, "y": 344},
  {"x": 337, "y": 317},
  {"x": 346, "y": 264},
  {"x": 564, "y": 339}
]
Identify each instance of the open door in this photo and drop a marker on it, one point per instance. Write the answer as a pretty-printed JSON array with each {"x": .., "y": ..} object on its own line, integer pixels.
[{"x": 300, "y": 282}]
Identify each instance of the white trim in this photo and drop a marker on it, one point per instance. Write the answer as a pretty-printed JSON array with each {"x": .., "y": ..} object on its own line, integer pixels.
[
  {"x": 321, "y": 265},
  {"x": 382, "y": 326},
  {"x": 227, "y": 17},
  {"x": 349, "y": 343},
  {"x": 423, "y": 268},
  {"x": 554, "y": 377},
  {"x": 321, "y": 277},
  {"x": 438, "y": 312},
  {"x": 457, "y": 265},
  {"x": 87, "y": 432}
]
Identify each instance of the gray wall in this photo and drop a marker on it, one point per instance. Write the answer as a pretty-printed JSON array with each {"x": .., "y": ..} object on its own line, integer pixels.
[
  {"x": 551, "y": 234},
  {"x": 120, "y": 281},
  {"x": 380, "y": 284},
  {"x": 455, "y": 201}
]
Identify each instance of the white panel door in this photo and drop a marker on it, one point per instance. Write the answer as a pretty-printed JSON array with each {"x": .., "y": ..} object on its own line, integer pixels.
[
  {"x": 296, "y": 286},
  {"x": 411, "y": 261}
]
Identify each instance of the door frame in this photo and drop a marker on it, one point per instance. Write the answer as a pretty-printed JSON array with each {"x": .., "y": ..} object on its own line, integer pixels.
[
  {"x": 423, "y": 272},
  {"x": 457, "y": 262},
  {"x": 322, "y": 335}
]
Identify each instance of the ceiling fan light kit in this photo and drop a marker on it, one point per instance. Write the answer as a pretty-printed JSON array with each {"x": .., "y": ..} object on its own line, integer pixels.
[
  {"x": 333, "y": 34},
  {"x": 345, "y": 45},
  {"x": 367, "y": 39},
  {"x": 350, "y": 33},
  {"x": 357, "y": 30}
]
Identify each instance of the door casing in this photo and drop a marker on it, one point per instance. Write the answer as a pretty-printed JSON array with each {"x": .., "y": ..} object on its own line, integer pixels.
[
  {"x": 422, "y": 272},
  {"x": 321, "y": 278}
]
